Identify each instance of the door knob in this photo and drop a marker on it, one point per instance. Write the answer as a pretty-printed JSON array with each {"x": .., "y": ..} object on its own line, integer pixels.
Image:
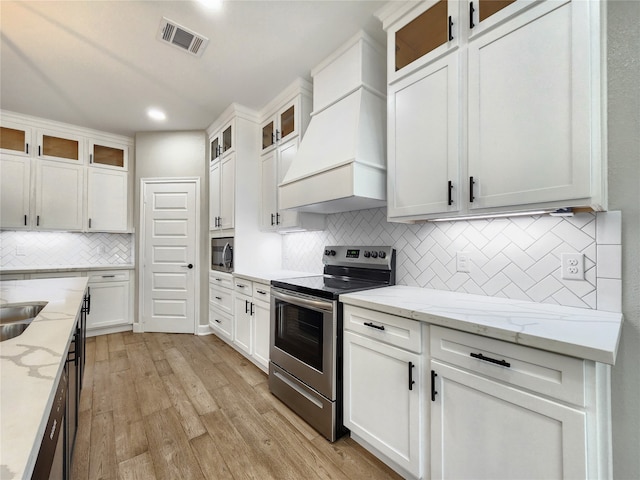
[{"x": 189, "y": 266}]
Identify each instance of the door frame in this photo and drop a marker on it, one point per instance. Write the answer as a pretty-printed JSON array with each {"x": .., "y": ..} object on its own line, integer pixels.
[{"x": 141, "y": 221}]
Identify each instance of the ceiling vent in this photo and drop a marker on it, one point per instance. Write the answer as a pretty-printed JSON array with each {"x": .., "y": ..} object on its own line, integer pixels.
[{"x": 182, "y": 38}]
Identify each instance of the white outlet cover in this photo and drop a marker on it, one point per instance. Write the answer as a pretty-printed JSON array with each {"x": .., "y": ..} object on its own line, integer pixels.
[
  {"x": 463, "y": 261},
  {"x": 572, "y": 266}
]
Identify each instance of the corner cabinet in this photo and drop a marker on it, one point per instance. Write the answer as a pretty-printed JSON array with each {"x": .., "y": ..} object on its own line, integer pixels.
[{"x": 496, "y": 108}]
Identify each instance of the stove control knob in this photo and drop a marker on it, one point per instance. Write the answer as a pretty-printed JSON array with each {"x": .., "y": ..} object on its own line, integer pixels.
[
  {"x": 374, "y": 254},
  {"x": 327, "y": 252},
  {"x": 382, "y": 254},
  {"x": 333, "y": 253},
  {"x": 367, "y": 254}
]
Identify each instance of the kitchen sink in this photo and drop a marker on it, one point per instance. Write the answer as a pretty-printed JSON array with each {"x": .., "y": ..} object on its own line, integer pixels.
[{"x": 14, "y": 319}]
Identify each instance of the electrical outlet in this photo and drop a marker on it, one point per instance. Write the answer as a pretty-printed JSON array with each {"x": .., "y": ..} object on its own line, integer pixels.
[
  {"x": 463, "y": 261},
  {"x": 572, "y": 266}
]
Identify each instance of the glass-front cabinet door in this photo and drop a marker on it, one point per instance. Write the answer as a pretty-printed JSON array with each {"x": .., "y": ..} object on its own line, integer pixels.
[
  {"x": 60, "y": 146},
  {"x": 227, "y": 139},
  {"x": 268, "y": 134},
  {"x": 282, "y": 126},
  {"x": 215, "y": 148},
  {"x": 423, "y": 34},
  {"x": 15, "y": 139},
  {"x": 109, "y": 155},
  {"x": 480, "y": 10},
  {"x": 288, "y": 122}
]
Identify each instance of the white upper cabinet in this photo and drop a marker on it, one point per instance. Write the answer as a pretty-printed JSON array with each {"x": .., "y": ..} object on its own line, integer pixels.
[
  {"x": 108, "y": 155},
  {"x": 15, "y": 192},
  {"x": 530, "y": 122},
  {"x": 495, "y": 107},
  {"x": 59, "y": 195},
  {"x": 15, "y": 138},
  {"x": 63, "y": 177},
  {"x": 107, "y": 201},
  {"x": 285, "y": 120},
  {"x": 282, "y": 126},
  {"x": 222, "y": 193},
  {"x": 60, "y": 146}
]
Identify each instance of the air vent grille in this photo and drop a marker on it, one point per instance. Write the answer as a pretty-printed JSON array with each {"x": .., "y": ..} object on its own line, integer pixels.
[{"x": 181, "y": 37}]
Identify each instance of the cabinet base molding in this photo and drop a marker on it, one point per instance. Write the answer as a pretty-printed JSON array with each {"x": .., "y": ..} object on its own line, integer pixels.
[
  {"x": 383, "y": 458},
  {"x": 241, "y": 352}
]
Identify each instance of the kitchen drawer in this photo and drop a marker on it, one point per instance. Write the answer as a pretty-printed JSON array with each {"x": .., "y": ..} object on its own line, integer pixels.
[
  {"x": 399, "y": 331},
  {"x": 221, "y": 298},
  {"x": 261, "y": 292},
  {"x": 547, "y": 373},
  {"x": 221, "y": 323},
  {"x": 220, "y": 279},
  {"x": 108, "y": 276},
  {"x": 243, "y": 286}
]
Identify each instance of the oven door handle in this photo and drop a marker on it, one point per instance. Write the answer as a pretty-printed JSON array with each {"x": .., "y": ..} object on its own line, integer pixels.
[{"x": 303, "y": 302}]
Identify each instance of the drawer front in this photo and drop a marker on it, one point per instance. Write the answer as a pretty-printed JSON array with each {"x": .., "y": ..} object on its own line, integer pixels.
[
  {"x": 261, "y": 292},
  {"x": 221, "y": 298},
  {"x": 221, "y": 279},
  {"x": 243, "y": 286},
  {"x": 550, "y": 374},
  {"x": 399, "y": 331},
  {"x": 108, "y": 276},
  {"x": 221, "y": 323}
]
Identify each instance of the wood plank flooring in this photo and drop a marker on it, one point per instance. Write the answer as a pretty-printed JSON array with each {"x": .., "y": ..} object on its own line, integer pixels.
[{"x": 171, "y": 406}]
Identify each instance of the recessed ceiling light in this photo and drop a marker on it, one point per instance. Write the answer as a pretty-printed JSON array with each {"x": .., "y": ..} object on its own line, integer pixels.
[
  {"x": 211, "y": 4},
  {"x": 156, "y": 114}
]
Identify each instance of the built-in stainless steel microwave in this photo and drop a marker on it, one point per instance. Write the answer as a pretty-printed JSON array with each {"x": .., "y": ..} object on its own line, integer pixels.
[{"x": 222, "y": 254}]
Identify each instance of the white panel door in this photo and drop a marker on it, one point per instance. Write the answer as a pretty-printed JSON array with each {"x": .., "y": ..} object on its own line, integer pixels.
[{"x": 169, "y": 250}]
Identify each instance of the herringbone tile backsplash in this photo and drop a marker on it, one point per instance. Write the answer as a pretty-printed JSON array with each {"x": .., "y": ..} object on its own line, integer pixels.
[
  {"x": 49, "y": 249},
  {"x": 516, "y": 257}
]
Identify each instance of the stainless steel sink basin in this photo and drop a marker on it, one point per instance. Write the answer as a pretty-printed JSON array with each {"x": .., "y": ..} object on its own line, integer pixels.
[{"x": 14, "y": 319}]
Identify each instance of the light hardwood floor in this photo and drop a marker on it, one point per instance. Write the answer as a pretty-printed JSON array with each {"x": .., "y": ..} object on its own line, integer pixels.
[{"x": 170, "y": 406}]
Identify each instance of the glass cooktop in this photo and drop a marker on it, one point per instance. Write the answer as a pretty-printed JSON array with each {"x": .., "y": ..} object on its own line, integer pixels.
[{"x": 326, "y": 286}]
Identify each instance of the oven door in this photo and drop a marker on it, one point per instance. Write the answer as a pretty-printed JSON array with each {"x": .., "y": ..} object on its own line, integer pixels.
[{"x": 303, "y": 339}]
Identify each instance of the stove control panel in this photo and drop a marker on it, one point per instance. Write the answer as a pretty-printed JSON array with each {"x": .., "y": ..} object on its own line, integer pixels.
[{"x": 371, "y": 257}]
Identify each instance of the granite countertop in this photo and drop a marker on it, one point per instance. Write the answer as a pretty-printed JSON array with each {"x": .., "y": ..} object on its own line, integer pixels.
[
  {"x": 31, "y": 365},
  {"x": 65, "y": 268},
  {"x": 267, "y": 276},
  {"x": 578, "y": 332}
]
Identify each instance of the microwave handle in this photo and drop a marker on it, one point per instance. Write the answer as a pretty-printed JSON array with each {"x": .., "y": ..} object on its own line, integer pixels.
[
  {"x": 302, "y": 302},
  {"x": 227, "y": 252}
]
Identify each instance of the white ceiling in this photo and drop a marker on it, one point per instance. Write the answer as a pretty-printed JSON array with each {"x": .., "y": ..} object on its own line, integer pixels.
[{"x": 98, "y": 64}]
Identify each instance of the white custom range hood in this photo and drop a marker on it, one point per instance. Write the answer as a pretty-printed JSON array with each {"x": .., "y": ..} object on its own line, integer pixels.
[{"x": 341, "y": 162}]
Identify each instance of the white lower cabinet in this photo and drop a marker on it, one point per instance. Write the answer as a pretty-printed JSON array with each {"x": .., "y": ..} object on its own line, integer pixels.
[
  {"x": 480, "y": 408},
  {"x": 487, "y": 430},
  {"x": 221, "y": 305},
  {"x": 252, "y": 321},
  {"x": 110, "y": 300},
  {"x": 383, "y": 388}
]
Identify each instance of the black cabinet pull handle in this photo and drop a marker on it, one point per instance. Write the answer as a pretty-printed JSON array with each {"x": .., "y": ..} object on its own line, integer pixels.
[
  {"x": 433, "y": 385},
  {"x": 26, "y": 148},
  {"x": 218, "y": 298},
  {"x": 25, "y": 220},
  {"x": 411, "y": 381},
  {"x": 450, "y": 28},
  {"x": 480, "y": 356},
  {"x": 471, "y": 184},
  {"x": 39, "y": 151},
  {"x": 261, "y": 292},
  {"x": 37, "y": 220},
  {"x": 278, "y": 136},
  {"x": 277, "y": 219},
  {"x": 246, "y": 306},
  {"x": 216, "y": 320},
  {"x": 89, "y": 223},
  {"x": 272, "y": 219},
  {"x": 471, "y": 10},
  {"x": 251, "y": 308},
  {"x": 449, "y": 189},
  {"x": 91, "y": 158},
  {"x": 369, "y": 324}
]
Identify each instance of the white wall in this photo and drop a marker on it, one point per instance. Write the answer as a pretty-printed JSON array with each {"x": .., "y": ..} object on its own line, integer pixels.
[
  {"x": 624, "y": 194},
  {"x": 177, "y": 154}
]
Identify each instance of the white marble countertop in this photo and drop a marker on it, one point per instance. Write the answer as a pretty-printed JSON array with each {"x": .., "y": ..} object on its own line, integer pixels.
[
  {"x": 267, "y": 276},
  {"x": 578, "y": 332},
  {"x": 64, "y": 268},
  {"x": 31, "y": 365}
]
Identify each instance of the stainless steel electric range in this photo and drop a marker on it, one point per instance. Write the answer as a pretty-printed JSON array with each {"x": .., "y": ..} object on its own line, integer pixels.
[{"x": 305, "y": 368}]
